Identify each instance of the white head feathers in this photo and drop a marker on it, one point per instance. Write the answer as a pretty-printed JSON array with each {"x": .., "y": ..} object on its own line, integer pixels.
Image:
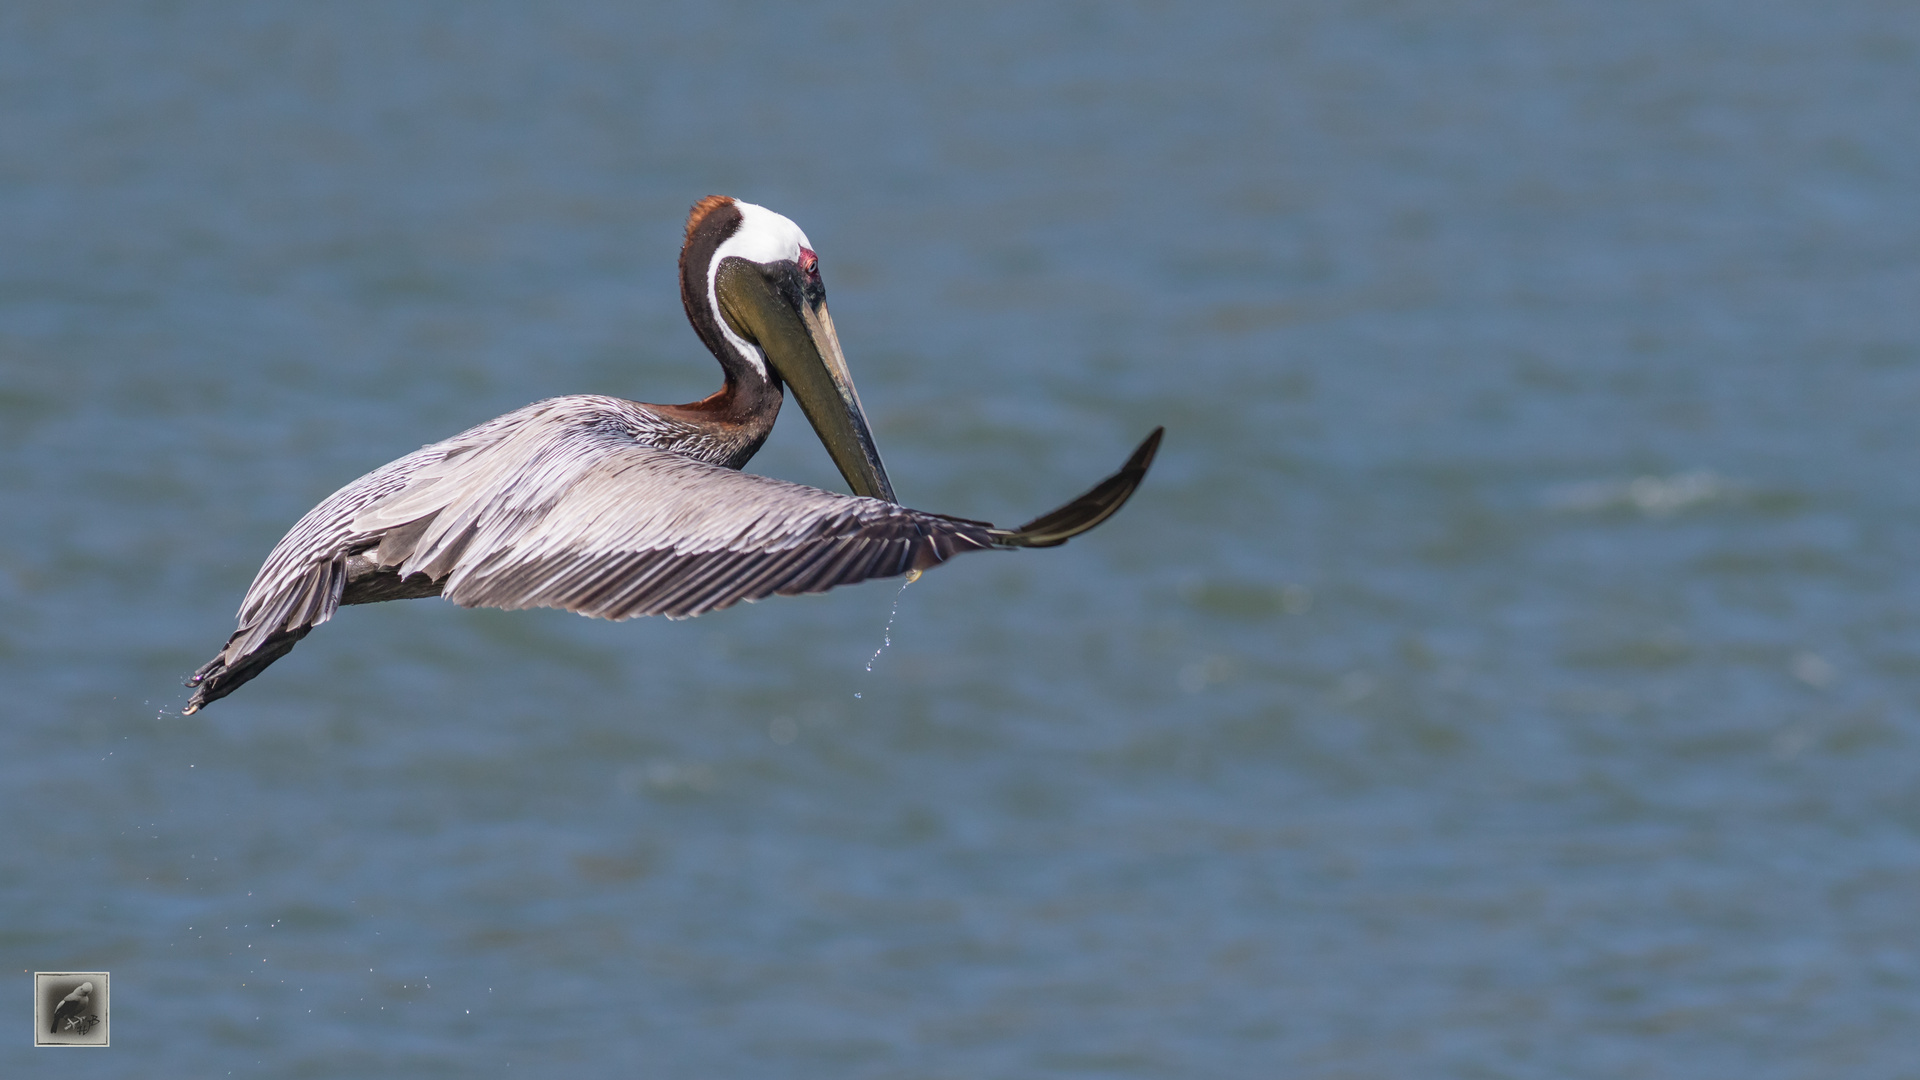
[{"x": 763, "y": 237}]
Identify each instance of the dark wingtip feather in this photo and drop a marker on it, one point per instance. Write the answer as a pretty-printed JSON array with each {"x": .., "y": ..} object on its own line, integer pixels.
[
  {"x": 1096, "y": 506},
  {"x": 216, "y": 680}
]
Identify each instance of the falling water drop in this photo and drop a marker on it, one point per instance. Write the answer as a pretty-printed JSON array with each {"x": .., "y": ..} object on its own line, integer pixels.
[{"x": 886, "y": 638}]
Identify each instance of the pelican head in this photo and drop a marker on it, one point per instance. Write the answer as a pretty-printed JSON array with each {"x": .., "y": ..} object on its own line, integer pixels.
[{"x": 751, "y": 284}]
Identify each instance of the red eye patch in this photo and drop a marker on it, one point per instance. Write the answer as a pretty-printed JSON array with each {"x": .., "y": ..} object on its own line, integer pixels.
[{"x": 808, "y": 261}]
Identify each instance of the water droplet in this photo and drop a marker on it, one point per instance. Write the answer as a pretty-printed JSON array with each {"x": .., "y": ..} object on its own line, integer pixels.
[{"x": 886, "y": 637}]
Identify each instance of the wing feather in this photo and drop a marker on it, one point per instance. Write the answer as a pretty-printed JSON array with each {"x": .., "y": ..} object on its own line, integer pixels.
[
  {"x": 568, "y": 504},
  {"x": 584, "y": 517}
]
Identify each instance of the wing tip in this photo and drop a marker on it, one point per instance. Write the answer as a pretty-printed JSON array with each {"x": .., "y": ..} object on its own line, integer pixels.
[{"x": 1100, "y": 503}]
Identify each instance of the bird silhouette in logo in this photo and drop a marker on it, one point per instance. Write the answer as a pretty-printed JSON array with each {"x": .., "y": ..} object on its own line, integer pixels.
[{"x": 72, "y": 1008}]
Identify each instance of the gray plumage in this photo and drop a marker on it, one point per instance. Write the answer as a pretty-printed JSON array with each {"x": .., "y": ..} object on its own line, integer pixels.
[
  {"x": 616, "y": 509},
  {"x": 567, "y": 503}
]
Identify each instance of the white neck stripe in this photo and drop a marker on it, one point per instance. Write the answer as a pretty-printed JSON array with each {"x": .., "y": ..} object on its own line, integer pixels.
[{"x": 763, "y": 237}]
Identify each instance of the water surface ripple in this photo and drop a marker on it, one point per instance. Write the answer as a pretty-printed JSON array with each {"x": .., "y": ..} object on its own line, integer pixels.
[{"x": 1509, "y": 670}]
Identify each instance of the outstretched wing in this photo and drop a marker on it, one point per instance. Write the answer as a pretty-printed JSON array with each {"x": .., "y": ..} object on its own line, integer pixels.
[
  {"x": 588, "y": 520},
  {"x": 565, "y": 504}
]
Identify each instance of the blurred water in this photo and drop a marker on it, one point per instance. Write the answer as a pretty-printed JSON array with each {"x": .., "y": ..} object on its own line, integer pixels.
[{"x": 1509, "y": 669}]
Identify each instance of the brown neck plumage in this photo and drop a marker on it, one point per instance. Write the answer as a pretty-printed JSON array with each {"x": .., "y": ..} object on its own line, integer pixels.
[{"x": 750, "y": 400}]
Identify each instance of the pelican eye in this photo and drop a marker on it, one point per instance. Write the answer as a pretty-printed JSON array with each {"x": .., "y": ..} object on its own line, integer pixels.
[{"x": 809, "y": 262}]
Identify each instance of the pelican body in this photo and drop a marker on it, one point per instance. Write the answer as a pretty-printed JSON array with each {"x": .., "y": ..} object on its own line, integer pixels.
[{"x": 614, "y": 508}]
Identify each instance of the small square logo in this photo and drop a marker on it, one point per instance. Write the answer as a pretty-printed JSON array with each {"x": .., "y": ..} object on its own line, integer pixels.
[{"x": 70, "y": 1008}]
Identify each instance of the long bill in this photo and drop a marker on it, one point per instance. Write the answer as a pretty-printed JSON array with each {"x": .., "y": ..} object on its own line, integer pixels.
[{"x": 772, "y": 307}]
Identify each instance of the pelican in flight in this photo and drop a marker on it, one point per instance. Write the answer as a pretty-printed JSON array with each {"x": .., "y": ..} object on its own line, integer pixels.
[{"x": 615, "y": 508}]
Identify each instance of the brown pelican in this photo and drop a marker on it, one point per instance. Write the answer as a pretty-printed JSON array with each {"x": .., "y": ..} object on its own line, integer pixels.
[{"x": 613, "y": 508}]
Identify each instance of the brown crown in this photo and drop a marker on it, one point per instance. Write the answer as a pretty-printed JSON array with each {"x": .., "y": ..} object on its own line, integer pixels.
[{"x": 704, "y": 207}]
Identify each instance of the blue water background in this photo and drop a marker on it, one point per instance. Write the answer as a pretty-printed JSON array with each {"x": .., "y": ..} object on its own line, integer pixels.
[{"x": 1509, "y": 669}]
